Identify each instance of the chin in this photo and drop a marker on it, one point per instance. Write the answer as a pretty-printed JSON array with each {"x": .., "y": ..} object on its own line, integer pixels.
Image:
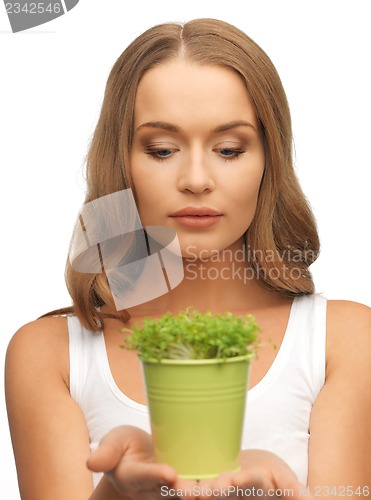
[
  {"x": 196, "y": 251},
  {"x": 194, "y": 254},
  {"x": 193, "y": 249}
]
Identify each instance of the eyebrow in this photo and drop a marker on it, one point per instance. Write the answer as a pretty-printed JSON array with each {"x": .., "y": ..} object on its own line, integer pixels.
[{"x": 174, "y": 128}]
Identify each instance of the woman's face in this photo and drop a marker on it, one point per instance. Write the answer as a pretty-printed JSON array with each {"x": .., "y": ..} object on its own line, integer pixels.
[{"x": 197, "y": 158}]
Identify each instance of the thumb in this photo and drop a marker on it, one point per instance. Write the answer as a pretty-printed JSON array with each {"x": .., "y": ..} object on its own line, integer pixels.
[
  {"x": 110, "y": 451},
  {"x": 104, "y": 459}
]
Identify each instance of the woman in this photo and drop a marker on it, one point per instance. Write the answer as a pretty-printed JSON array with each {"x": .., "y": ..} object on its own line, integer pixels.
[{"x": 196, "y": 123}]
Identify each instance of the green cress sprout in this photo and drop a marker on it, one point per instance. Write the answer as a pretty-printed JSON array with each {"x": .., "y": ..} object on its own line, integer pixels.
[{"x": 193, "y": 335}]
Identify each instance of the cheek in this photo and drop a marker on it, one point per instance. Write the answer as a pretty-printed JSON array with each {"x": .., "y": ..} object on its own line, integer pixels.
[
  {"x": 141, "y": 194},
  {"x": 144, "y": 198},
  {"x": 150, "y": 193},
  {"x": 245, "y": 190},
  {"x": 142, "y": 183}
]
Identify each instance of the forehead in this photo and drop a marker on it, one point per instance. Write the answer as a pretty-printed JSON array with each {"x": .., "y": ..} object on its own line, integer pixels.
[{"x": 188, "y": 93}]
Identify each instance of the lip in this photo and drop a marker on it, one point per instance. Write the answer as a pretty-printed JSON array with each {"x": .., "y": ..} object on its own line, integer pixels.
[
  {"x": 197, "y": 216},
  {"x": 196, "y": 211}
]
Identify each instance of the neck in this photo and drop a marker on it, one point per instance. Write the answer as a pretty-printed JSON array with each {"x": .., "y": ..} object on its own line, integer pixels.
[{"x": 223, "y": 282}]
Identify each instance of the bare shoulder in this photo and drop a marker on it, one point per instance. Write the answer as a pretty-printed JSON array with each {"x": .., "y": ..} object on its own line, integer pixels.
[
  {"x": 346, "y": 310},
  {"x": 345, "y": 317},
  {"x": 50, "y": 327},
  {"x": 340, "y": 441},
  {"x": 348, "y": 332},
  {"x": 40, "y": 343}
]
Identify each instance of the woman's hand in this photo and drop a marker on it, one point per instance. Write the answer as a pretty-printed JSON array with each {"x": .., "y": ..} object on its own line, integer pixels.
[
  {"x": 262, "y": 474},
  {"x": 126, "y": 456}
]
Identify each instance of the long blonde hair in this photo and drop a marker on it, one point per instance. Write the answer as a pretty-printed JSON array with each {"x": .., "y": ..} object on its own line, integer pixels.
[{"x": 283, "y": 225}]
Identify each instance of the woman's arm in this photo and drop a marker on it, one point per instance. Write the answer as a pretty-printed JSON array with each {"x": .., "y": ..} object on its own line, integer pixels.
[
  {"x": 340, "y": 441},
  {"x": 49, "y": 433}
]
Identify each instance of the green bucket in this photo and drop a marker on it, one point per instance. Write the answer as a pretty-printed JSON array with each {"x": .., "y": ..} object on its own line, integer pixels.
[{"x": 197, "y": 411}]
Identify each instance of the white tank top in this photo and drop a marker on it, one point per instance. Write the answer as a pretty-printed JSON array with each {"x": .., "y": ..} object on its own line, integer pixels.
[{"x": 278, "y": 407}]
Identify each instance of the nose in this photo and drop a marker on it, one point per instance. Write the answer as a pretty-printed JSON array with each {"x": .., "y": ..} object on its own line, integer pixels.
[{"x": 195, "y": 176}]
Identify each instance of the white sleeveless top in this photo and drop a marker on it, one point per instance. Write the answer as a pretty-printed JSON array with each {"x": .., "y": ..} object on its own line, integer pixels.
[{"x": 278, "y": 407}]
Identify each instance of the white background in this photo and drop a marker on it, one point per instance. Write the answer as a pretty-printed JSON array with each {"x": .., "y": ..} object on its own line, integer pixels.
[{"x": 51, "y": 86}]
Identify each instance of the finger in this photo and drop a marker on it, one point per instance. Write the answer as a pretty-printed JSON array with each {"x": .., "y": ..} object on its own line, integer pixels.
[
  {"x": 279, "y": 479},
  {"x": 253, "y": 477},
  {"x": 184, "y": 488},
  {"x": 143, "y": 476},
  {"x": 105, "y": 458},
  {"x": 115, "y": 444},
  {"x": 256, "y": 484},
  {"x": 220, "y": 484},
  {"x": 287, "y": 484},
  {"x": 247, "y": 482},
  {"x": 293, "y": 489},
  {"x": 219, "y": 487}
]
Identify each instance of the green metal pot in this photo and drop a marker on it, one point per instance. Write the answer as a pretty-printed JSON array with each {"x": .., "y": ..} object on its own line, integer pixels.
[{"x": 197, "y": 411}]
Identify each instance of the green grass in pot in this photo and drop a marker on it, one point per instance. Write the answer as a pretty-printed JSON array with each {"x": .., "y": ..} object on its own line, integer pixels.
[{"x": 193, "y": 335}]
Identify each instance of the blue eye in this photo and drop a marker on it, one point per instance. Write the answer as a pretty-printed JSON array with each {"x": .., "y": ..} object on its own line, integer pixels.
[
  {"x": 163, "y": 153},
  {"x": 227, "y": 152},
  {"x": 159, "y": 154},
  {"x": 230, "y": 153}
]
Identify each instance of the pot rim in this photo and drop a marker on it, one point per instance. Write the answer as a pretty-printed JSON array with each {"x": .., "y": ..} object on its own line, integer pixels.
[{"x": 208, "y": 361}]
